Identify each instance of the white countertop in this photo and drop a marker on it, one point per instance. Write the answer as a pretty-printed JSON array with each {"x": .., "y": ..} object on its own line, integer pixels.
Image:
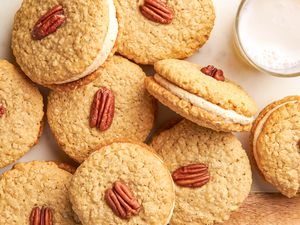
[{"x": 218, "y": 51}]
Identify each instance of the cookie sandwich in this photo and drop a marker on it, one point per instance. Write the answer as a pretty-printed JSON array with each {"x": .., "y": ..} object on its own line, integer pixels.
[
  {"x": 202, "y": 95},
  {"x": 275, "y": 139},
  {"x": 210, "y": 169},
  {"x": 115, "y": 105},
  {"x": 61, "y": 43},
  {"x": 36, "y": 193},
  {"x": 159, "y": 29},
  {"x": 123, "y": 183},
  {"x": 21, "y": 114}
]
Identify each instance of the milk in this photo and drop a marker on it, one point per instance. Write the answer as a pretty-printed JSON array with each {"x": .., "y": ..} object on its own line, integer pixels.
[{"x": 269, "y": 33}]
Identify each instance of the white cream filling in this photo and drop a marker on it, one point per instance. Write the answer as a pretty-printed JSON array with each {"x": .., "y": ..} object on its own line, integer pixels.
[
  {"x": 261, "y": 124},
  {"x": 108, "y": 44},
  {"x": 228, "y": 115},
  {"x": 173, "y": 207}
]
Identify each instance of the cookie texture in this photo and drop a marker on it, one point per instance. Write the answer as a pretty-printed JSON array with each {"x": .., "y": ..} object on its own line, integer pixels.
[
  {"x": 21, "y": 120},
  {"x": 78, "y": 83},
  {"x": 35, "y": 184},
  {"x": 193, "y": 113},
  {"x": 228, "y": 165},
  {"x": 275, "y": 140},
  {"x": 68, "y": 112},
  {"x": 188, "y": 76},
  {"x": 67, "y": 52},
  {"x": 235, "y": 108},
  {"x": 133, "y": 164},
  {"x": 147, "y": 42}
]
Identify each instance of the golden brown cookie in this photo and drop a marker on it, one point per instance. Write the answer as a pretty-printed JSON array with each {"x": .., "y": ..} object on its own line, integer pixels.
[
  {"x": 21, "y": 114},
  {"x": 210, "y": 169},
  {"x": 202, "y": 95},
  {"x": 275, "y": 139},
  {"x": 123, "y": 183},
  {"x": 80, "y": 127},
  {"x": 152, "y": 30},
  {"x": 36, "y": 190},
  {"x": 63, "y": 42}
]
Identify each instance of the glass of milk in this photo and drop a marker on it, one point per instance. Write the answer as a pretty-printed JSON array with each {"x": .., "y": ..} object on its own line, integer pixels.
[{"x": 267, "y": 34}]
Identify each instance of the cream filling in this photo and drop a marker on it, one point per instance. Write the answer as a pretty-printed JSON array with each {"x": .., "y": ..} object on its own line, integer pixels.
[
  {"x": 108, "y": 44},
  {"x": 261, "y": 124},
  {"x": 228, "y": 115},
  {"x": 171, "y": 213}
]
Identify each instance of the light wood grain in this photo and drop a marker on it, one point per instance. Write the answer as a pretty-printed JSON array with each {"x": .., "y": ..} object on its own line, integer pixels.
[{"x": 267, "y": 209}]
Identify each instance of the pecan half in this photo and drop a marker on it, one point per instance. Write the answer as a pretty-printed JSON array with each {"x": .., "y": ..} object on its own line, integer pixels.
[
  {"x": 157, "y": 11},
  {"x": 213, "y": 72},
  {"x": 298, "y": 144},
  {"x": 194, "y": 175},
  {"x": 122, "y": 201},
  {"x": 49, "y": 23},
  {"x": 41, "y": 216},
  {"x": 102, "y": 109},
  {"x": 2, "y": 110}
]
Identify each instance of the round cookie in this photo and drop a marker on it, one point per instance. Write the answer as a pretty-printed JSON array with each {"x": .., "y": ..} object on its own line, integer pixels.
[
  {"x": 30, "y": 186},
  {"x": 69, "y": 113},
  {"x": 184, "y": 28},
  {"x": 202, "y": 95},
  {"x": 275, "y": 139},
  {"x": 136, "y": 169},
  {"x": 21, "y": 114},
  {"x": 210, "y": 169},
  {"x": 61, "y": 42}
]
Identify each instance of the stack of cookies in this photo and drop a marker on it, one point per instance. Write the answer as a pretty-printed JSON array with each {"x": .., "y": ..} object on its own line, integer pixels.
[{"x": 102, "y": 107}]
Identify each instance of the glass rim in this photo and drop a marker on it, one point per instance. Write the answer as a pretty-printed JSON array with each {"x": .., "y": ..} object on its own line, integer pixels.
[{"x": 240, "y": 47}]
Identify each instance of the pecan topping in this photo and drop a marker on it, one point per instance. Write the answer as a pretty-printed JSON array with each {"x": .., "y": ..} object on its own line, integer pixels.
[
  {"x": 122, "y": 201},
  {"x": 213, "y": 72},
  {"x": 2, "y": 110},
  {"x": 298, "y": 144},
  {"x": 157, "y": 11},
  {"x": 49, "y": 23},
  {"x": 102, "y": 109},
  {"x": 194, "y": 175},
  {"x": 41, "y": 216}
]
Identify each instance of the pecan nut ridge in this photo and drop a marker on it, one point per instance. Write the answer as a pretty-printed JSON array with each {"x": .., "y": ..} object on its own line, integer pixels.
[
  {"x": 122, "y": 201},
  {"x": 102, "y": 109},
  {"x": 2, "y": 110},
  {"x": 213, "y": 72},
  {"x": 49, "y": 23},
  {"x": 41, "y": 216},
  {"x": 193, "y": 175},
  {"x": 157, "y": 11}
]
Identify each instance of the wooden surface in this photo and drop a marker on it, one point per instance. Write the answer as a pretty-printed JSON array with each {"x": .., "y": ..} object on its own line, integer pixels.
[{"x": 267, "y": 209}]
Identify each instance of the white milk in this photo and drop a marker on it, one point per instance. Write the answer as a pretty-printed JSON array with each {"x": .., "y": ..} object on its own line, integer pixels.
[{"x": 269, "y": 32}]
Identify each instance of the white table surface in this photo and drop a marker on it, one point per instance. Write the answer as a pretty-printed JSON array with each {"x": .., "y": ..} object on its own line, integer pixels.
[{"x": 218, "y": 51}]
